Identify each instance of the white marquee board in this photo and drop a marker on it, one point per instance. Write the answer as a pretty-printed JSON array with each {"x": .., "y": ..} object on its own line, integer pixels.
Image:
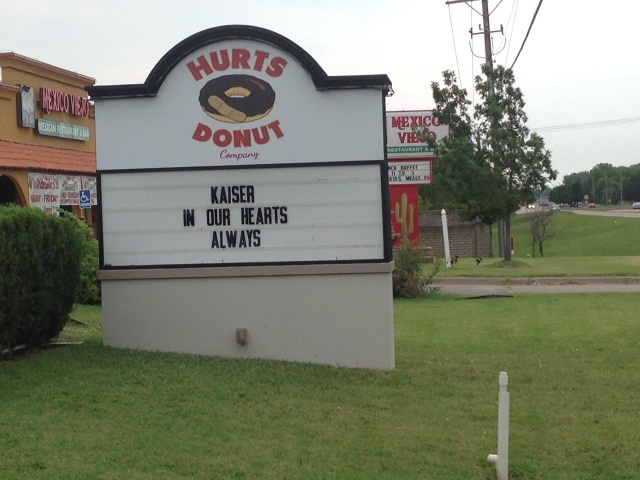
[
  {"x": 243, "y": 216},
  {"x": 410, "y": 173}
]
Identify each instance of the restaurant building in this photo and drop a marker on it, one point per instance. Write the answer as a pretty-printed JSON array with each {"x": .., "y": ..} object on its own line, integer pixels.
[{"x": 47, "y": 138}]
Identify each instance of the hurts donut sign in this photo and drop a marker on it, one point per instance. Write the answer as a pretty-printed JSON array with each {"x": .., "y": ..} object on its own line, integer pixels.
[
  {"x": 240, "y": 188},
  {"x": 237, "y": 98}
]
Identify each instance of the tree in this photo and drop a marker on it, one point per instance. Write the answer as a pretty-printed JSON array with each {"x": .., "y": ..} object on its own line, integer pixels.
[
  {"x": 572, "y": 190},
  {"x": 631, "y": 188},
  {"x": 603, "y": 180},
  {"x": 540, "y": 228},
  {"x": 491, "y": 161},
  {"x": 438, "y": 195}
]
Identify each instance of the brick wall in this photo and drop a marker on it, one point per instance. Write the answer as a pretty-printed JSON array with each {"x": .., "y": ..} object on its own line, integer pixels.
[{"x": 466, "y": 239}]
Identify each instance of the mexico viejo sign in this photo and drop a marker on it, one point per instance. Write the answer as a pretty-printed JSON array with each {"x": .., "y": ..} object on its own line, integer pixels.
[
  {"x": 244, "y": 205},
  {"x": 402, "y": 139},
  {"x": 56, "y": 101}
]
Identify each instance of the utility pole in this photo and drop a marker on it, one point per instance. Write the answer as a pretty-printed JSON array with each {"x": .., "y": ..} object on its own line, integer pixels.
[
  {"x": 504, "y": 244},
  {"x": 486, "y": 30}
]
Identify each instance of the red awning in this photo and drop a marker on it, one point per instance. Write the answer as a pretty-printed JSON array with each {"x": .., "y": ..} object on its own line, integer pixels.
[{"x": 20, "y": 156}]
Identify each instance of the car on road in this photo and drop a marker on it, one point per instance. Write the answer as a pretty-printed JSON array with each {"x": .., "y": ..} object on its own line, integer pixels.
[
  {"x": 636, "y": 205},
  {"x": 592, "y": 205},
  {"x": 555, "y": 208}
]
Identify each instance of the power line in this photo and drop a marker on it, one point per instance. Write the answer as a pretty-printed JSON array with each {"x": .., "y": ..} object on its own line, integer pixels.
[
  {"x": 494, "y": 8},
  {"x": 455, "y": 50},
  {"x": 527, "y": 35},
  {"x": 575, "y": 126},
  {"x": 547, "y": 86},
  {"x": 473, "y": 72},
  {"x": 512, "y": 15},
  {"x": 582, "y": 83}
]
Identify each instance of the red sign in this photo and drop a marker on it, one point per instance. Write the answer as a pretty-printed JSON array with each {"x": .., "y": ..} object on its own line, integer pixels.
[
  {"x": 405, "y": 227},
  {"x": 54, "y": 100}
]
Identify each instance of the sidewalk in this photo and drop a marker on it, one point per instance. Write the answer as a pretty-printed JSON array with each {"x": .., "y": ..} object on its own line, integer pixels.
[{"x": 496, "y": 287}]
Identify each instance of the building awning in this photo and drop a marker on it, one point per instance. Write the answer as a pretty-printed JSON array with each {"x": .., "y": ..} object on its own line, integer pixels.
[{"x": 20, "y": 156}]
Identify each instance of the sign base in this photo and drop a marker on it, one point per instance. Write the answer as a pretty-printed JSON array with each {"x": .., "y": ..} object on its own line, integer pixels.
[{"x": 334, "y": 315}]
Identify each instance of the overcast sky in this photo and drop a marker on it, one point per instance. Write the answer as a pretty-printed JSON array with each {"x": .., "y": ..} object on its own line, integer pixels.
[{"x": 577, "y": 67}]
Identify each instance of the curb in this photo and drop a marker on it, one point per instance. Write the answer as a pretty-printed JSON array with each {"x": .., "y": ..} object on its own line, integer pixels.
[{"x": 511, "y": 281}]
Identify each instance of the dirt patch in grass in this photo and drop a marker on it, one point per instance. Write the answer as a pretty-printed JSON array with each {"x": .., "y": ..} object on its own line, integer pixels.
[{"x": 510, "y": 264}]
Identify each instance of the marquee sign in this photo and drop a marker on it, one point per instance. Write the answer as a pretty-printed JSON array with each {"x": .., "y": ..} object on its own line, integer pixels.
[
  {"x": 236, "y": 119},
  {"x": 243, "y": 216},
  {"x": 244, "y": 205},
  {"x": 412, "y": 173}
]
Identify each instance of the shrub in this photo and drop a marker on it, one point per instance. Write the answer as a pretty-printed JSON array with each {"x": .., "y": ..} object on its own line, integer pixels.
[
  {"x": 88, "y": 290},
  {"x": 408, "y": 278},
  {"x": 409, "y": 258},
  {"x": 405, "y": 284},
  {"x": 39, "y": 269}
]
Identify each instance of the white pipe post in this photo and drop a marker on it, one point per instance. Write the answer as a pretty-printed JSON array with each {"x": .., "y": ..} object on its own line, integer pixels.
[
  {"x": 445, "y": 234},
  {"x": 501, "y": 460},
  {"x": 503, "y": 427}
]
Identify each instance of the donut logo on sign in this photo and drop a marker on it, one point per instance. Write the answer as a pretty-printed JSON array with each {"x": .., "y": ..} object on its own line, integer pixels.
[{"x": 237, "y": 98}]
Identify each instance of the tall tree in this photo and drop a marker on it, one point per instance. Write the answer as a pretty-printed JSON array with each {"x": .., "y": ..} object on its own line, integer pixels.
[{"x": 491, "y": 161}]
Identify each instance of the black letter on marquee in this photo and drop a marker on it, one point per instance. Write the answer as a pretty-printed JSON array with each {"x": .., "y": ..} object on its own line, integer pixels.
[{"x": 188, "y": 218}]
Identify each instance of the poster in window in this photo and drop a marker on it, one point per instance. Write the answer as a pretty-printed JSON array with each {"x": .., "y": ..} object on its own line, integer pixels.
[{"x": 26, "y": 107}]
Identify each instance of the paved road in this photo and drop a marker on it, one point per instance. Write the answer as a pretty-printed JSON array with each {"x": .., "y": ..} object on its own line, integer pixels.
[
  {"x": 623, "y": 213},
  {"x": 484, "y": 287},
  {"x": 491, "y": 287},
  {"x": 604, "y": 213}
]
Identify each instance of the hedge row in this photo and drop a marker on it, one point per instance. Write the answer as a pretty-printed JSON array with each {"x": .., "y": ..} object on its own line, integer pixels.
[{"x": 40, "y": 256}]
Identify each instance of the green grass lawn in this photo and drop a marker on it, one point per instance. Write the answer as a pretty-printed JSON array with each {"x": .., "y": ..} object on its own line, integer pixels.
[
  {"x": 85, "y": 411},
  {"x": 541, "y": 267},
  {"x": 580, "y": 236},
  {"x": 581, "y": 246},
  {"x": 91, "y": 412}
]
